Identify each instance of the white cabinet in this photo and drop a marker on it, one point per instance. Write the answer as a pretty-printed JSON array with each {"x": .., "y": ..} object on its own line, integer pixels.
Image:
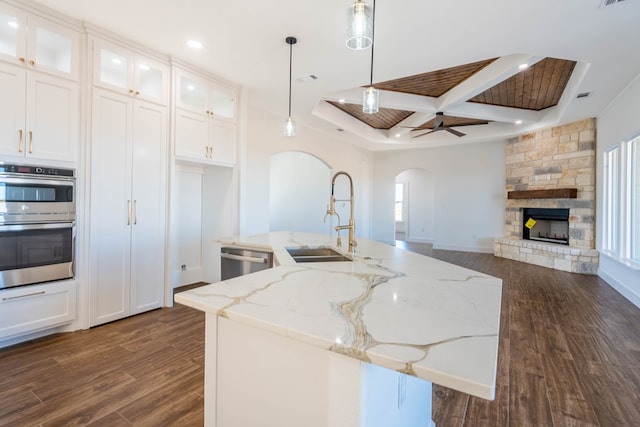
[
  {"x": 127, "y": 206},
  {"x": 38, "y": 115},
  {"x": 34, "y": 308},
  {"x": 205, "y": 127},
  {"x": 200, "y": 95},
  {"x": 38, "y": 44},
  {"x": 127, "y": 72},
  {"x": 204, "y": 139},
  {"x": 39, "y": 70}
]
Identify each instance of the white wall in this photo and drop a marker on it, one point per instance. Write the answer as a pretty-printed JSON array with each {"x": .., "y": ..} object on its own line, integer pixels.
[
  {"x": 618, "y": 122},
  {"x": 264, "y": 138},
  {"x": 299, "y": 188},
  {"x": 469, "y": 193}
]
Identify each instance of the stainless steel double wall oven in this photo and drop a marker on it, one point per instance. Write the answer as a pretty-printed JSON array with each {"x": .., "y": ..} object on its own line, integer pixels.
[{"x": 37, "y": 224}]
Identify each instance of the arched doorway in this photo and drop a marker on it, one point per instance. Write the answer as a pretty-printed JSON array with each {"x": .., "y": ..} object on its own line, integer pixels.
[{"x": 414, "y": 206}]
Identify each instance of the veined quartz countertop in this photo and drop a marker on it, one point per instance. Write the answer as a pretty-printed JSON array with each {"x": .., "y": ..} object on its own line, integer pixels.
[{"x": 390, "y": 307}]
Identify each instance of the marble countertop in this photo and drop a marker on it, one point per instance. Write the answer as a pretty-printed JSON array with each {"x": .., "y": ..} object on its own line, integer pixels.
[{"x": 389, "y": 307}]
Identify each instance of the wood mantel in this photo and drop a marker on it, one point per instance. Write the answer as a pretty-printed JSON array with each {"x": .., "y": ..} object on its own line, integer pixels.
[{"x": 556, "y": 193}]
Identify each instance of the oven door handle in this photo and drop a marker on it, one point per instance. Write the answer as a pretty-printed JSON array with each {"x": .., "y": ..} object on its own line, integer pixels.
[
  {"x": 46, "y": 226},
  {"x": 9, "y": 179}
]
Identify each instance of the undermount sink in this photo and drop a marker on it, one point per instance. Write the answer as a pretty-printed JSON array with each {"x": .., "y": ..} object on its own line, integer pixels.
[{"x": 316, "y": 255}]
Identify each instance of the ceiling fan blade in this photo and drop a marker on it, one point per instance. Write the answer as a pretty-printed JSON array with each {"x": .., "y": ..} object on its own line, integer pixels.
[
  {"x": 426, "y": 133},
  {"x": 455, "y": 132}
]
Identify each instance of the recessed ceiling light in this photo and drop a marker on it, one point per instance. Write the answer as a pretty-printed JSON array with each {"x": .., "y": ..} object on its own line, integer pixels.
[
  {"x": 12, "y": 24},
  {"x": 191, "y": 87},
  {"x": 144, "y": 67},
  {"x": 341, "y": 101},
  {"x": 194, "y": 44},
  {"x": 398, "y": 135},
  {"x": 523, "y": 66},
  {"x": 518, "y": 122},
  {"x": 116, "y": 61}
]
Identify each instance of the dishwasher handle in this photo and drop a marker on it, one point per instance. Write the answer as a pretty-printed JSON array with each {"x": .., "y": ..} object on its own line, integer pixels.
[{"x": 244, "y": 258}]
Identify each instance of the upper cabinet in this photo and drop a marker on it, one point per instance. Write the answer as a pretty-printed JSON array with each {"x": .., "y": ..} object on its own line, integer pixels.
[
  {"x": 205, "y": 129},
  {"x": 39, "y": 71},
  {"x": 125, "y": 71},
  {"x": 38, "y": 44},
  {"x": 204, "y": 96}
]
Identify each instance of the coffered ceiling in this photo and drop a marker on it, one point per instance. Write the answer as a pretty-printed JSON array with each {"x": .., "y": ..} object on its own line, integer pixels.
[{"x": 459, "y": 57}]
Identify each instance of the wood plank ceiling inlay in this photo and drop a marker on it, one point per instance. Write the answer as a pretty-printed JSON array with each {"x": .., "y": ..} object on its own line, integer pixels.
[
  {"x": 385, "y": 118},
  {"x": 536, "y": 88},
  {"x": 434, "y": 83}
]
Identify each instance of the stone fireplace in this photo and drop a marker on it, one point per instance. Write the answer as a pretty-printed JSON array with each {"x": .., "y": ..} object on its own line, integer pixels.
[{"x": 551, "y": 171}]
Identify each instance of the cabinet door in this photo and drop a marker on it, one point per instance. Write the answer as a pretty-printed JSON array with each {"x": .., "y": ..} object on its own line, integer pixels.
[
  {"x": 53, "y": 48},
  {"x": 149, "y": 189},
  {"x": 110, "y": 207},
  {"x": 223, "y": 103},
  {"x": 192, "y": 93},
  {"x": 12, "y": 110},
  {"x": 223, "y": 142},
  {"x": 112, "y": 67},
  {"x": 13, "y": 35},
  {"x": 31, "y": 308},
  {"x": 52, "y": 118},
  {"x": 150, "y": 80},
  {"x": 192, "y": 135}
]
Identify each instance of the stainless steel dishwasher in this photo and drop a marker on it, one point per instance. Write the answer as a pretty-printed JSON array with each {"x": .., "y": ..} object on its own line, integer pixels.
[{"x": 236, "y": 262}]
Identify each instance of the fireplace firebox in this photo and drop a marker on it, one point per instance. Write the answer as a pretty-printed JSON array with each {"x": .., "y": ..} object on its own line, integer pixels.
[{"x": 546, "y": 225}]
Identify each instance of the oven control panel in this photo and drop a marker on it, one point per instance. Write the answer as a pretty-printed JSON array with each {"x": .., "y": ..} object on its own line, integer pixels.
[{"x": 35, "y": 170}]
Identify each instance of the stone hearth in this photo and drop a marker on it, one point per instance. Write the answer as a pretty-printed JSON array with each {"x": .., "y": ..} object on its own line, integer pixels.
[{"x": 562, "y": 157}]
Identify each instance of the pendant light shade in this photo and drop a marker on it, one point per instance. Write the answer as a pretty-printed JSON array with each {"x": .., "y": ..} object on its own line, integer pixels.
[
  {"x": 371, "y": 95},
  {"x": 370, "y": 99},
  {"x": 290, "y": 125},
  {"x": 359, "y": 26}
]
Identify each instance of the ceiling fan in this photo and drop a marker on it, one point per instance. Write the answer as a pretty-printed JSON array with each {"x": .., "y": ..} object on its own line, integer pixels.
[{"x": 439, "y": 124}]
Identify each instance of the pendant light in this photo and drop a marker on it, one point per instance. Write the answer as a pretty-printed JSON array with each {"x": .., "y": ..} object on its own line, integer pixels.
[
  {"x": 359, "y": 26},
  {"x": 371, "y": 95},
  {"x": 290, "y": 125}
]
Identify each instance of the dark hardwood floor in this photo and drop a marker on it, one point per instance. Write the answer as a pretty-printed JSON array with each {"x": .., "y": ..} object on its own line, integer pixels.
[{"x": 569, "y": 356}]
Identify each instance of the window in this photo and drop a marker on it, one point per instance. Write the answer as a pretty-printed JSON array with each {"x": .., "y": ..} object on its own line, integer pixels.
[
  {"x": 399, "y": 202},
  {"x": 634, "y": 203},
  {"x": 611, "y": 201},
  {"x": 621, "y": 198}
]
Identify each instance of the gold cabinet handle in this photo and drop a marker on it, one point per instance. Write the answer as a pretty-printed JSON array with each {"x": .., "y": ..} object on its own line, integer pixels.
[
  {"x": 128, "y": 212},
  {"x": 137, "y": 92},
  {"x": 30, "y": 142},
  {"x": 131, "y": 91},
  {"x": 21, "y": 59},
  {"x": 20, "y": 147},
  {"x": 32, "y": 62},
  {"x": 135, "y": 212},
  {"x": 210, "y": 152}
]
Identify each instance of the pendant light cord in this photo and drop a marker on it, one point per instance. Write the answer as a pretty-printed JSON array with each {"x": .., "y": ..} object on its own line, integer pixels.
[
  {"x": 373, "y": 39},
  {"x": 290, "y": 71}
]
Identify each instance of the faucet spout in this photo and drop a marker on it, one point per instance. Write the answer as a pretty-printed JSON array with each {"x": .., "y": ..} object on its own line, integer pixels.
[{"x": 332, "y": 211}]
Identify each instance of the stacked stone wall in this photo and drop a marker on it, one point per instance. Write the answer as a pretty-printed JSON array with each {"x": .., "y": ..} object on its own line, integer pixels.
[{"x": 560, "y": 157}]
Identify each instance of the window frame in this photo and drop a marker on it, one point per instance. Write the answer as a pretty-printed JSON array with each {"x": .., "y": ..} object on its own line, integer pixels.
[{"x": 621, "y": 202}]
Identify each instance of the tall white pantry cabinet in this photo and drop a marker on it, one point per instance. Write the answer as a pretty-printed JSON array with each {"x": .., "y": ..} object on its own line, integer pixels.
[{"x": 129, "y": 148}]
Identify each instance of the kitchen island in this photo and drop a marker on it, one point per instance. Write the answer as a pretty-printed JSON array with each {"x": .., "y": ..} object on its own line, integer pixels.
[{"x": 354, "y": 343}]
